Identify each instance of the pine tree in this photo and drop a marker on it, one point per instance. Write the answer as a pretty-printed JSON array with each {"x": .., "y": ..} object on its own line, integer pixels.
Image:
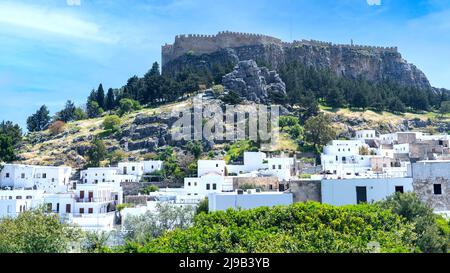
[
  {"x": 110, "y": 102},
  {"x": 39, "y": 121},
  {"x": 101, "y": 96}
]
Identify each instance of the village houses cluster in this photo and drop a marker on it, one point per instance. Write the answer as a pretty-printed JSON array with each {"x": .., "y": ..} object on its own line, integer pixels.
[{"x": 367, "y": 168}]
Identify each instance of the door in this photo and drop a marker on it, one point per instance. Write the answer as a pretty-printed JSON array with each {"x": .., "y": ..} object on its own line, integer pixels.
[
  {"x": 91, "y": 196},
  {"x": 81, "y": 194},
  {"x": 68, "y": 208},
  {"x": 361, "y": 195}
]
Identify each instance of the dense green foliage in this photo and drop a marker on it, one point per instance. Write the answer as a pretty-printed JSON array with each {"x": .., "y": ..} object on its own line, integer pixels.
[
  {"x": 36, "y": 232},
  {"x": 112, "y": 123},
  {"x": 7, "y": 153},
  {"x": 96, "y": 153},
  {"x": 144, "y": 228},
  {"x": 306, "y": 84},
  {"x": 203, "y": 206},
  {"x": 235, "y": 151},
  {"x": 150, "y": 189},
  {"x": 171, "y": 167},
  {"x": 431, "y": 237},
  {"x": 10, "y": 136},
  {"x": 128, "y": 105},
  {"x": 39, "y": 120},
  {"x": 318, "y": 130},
  {"x": 302, "y": 227}
]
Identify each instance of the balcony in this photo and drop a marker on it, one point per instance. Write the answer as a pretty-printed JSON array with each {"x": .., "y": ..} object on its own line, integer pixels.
[{"x": 94, "y": 200}]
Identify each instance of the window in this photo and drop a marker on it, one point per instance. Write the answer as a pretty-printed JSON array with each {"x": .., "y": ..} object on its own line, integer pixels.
[
  {"x": 81, "y": 194},
  {"x": 44, "y": 175},
  {"x": 189, "y": 184},
  {"x": 29, "y": 197},
  {"x": 437, "y": 189},
  {"x": 57, "y": 207},
  {"x": 81, "y": 210},
  {"x": 399, "y": 189},
  {"x": 53, "y": 179},
  {"x": 7, "y": 175},
  {"x": 208, "y": 187},
  {"x": 133, "y": 168},
  {"x": 279, "y": 167},
  {"x": 68, "y": 208},
  {"x": 273, "y": 167},
  {"x": 19, "y": 197},
  {"x": 90, "y": 210},
  {"x": 22, "y": 176},
  {"x": 195, "y": 184},
  {"x": 214, "y": 186}
]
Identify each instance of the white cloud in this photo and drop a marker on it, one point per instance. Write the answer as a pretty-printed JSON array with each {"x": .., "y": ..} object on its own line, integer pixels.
[
  {"x": 73, "y": 2},
  {"x": 374, "y": 2},
  {"x": 51, "y": 21}
]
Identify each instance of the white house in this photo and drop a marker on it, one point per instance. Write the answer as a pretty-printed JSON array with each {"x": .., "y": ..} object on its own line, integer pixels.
[
  {"x": 253, "y": 161},
  {"x": 200, "y": 187},
  {"x": 283, "y": 168},
  {"x": 247, "y": 200},
  {"x": 210, "y": 166},
  {"x": 13, "y": 202},
  {"x": 151, "y": 166},
  {"x": 102, "y": 175},
  {"x": 344, "y": 158},
  {"x": 47, "y": 178},
  {"x": 364, "y": 190},
  {"x": 366, "y": 134},
  {"x": 131, "y": 168}
]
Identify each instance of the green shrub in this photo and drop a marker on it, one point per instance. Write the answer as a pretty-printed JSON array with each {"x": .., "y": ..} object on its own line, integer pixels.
[
  {"x": 112, "y": 123},
  {"x": 302, "y": 227}
]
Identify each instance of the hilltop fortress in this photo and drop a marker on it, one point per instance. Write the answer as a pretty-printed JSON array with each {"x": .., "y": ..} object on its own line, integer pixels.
[
  {"x": 205, "y": 44},
  {"x": 372, "y": 62}
]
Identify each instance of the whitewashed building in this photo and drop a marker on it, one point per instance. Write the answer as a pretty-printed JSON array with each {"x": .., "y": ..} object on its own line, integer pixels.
[
  {"x": 249, "y": 199},
  {"x": 90, "y": 204},
  {"x": 47, "y": 178},
  {"x": 108, "y": 174},
  {"x": 364, "y": 190}
]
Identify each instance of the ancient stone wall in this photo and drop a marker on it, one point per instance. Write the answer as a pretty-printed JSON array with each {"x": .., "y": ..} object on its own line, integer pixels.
[
  {"x": 426, "y": 176},
  {"x": 204, "y": 44},
  {"x": 306, "y": 190},
  {"x": 265, "y": 183}
]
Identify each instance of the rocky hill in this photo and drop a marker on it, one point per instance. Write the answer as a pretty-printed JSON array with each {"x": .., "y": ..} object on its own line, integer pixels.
[
  {"x": 376, "y": 64},
  {"x": 146, "y": 131}
]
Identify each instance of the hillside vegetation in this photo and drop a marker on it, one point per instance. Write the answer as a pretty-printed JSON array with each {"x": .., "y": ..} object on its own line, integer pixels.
[{"x": 69, "y": 145}]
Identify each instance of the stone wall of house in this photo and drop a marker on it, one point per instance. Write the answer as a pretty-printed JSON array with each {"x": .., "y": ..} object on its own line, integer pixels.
[
  {"x": 425, "y": 176},
  {"x": 265, "y": 183},
  {"x": 306, "y": 190},
  {"x": 136, "y": 200}
]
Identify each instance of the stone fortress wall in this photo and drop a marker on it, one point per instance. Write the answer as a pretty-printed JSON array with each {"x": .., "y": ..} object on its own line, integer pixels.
[{"x": 204, "y": 44}]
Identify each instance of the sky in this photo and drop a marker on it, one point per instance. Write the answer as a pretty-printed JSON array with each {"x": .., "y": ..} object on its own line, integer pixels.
[{"x": 52, "y": 51}]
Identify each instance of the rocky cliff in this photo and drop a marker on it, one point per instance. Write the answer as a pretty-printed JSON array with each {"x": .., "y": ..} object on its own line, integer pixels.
[
  {"x": 376, "y": 64},
  {"x": 254, "y": 83}
]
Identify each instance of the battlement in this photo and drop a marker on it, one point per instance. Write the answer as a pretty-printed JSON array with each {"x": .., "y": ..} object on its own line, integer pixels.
[
  {"x": 203, "y": 44},
  {"x": 377, "y": 49}
]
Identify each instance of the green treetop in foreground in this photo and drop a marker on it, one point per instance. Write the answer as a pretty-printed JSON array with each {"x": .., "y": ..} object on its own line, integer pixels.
[
  {"x": 36, "y": 232},
  {"x": 302, "y": 227}
]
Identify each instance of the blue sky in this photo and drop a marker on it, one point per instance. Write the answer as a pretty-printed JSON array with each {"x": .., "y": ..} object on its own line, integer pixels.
[{"x": 55, "y": 50}]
